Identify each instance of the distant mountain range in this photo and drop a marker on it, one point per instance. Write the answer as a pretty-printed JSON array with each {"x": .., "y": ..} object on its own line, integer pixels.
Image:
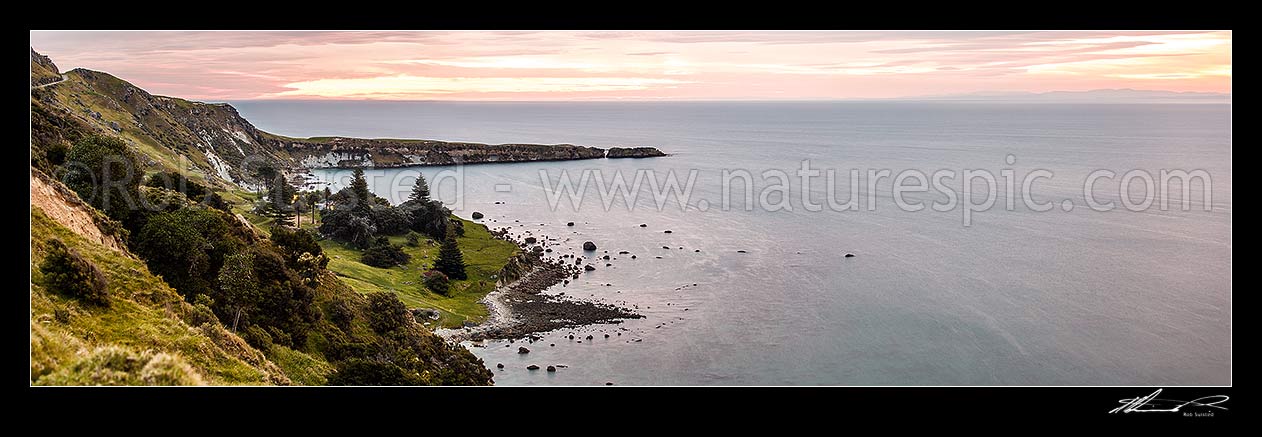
[{"x": 1125, "y": 95}]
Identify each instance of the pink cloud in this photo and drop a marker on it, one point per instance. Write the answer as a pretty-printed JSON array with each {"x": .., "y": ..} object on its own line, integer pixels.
[{"x": 642, "y": 65}]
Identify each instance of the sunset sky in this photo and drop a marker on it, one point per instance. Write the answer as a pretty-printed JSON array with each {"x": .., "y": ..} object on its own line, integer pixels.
[{"x": 641, "y": 65}]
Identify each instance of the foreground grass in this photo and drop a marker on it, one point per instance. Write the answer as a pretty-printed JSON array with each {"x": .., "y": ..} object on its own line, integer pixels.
[
  {"x": 484, "y": 256},
  {"x": 144, "y": 315}
]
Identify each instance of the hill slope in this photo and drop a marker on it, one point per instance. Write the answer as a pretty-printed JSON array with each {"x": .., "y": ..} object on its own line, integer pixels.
[
  {"x": 214, "y": 143},
  {"x": 298, "y": 323},
  {"x": 146, "y": 318}
]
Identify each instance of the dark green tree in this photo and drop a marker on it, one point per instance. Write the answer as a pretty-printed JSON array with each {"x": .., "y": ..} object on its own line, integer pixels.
[
  {"x": 420, "y": 190},
  {"x": 383, "y": 254},
  {"x": 343, "y": 225},
  {"x": 450, "y": 261},
  {"x": 361, "y": 198},
  {"x": 105, "y": 173},
  {"x": 238, "y": 287},
  {"x": 186, "y": 247},
  {"x": 279, "y": 202}
]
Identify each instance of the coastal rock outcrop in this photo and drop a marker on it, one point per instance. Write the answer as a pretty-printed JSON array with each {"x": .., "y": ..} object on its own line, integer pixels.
[{"x": 633, "y": 152}]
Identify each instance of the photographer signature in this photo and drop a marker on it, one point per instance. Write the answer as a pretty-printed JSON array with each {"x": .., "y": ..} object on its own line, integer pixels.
[{"x": 1153, "y": 404}]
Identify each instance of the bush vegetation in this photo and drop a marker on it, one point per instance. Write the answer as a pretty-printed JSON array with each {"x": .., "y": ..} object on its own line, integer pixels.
[{"x": 68, "y": 273}]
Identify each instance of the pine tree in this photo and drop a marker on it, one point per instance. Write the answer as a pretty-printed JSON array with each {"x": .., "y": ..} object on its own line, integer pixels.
[
  {"x": 359, "y": 189},
  {"x": 420, "y": 190},
  {"x": 450, "y": 261}
]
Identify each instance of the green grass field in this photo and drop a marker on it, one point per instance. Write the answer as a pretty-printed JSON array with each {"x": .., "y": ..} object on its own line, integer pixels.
[{"x": 484, "y": 256}]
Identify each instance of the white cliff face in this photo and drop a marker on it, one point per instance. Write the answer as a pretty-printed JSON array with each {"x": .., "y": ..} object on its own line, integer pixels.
[
  {"x": 333, "y": 159},
  {"x": 240, "y": 136},
  {"x": 416, "y": 159},
  {"x": 221, "y": 167}
]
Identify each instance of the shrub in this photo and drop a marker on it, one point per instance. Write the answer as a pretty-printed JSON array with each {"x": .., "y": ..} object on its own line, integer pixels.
[
  {"x": 414, "y": 238},
  {"x": 214, "y": 200},
  {"x": 68, "y": 273},
  {"x": 201, "y": 314},
  {"x": 390, "y": 220},
  {"x": 436, "y": 282},
  {"x": 383, "y": 254},
  {"x": 359, "y": 371},
  {"x": 177, "y": 182},
  {"x": 257, "y": 337},
  {"x": 344, "y": 225},
  {"x": 428, "y": 217},
  {"x": 308, "y": 268},
  {"x": 164, "y": 369},
  {"x": 295, "y": 242},
  {"x": 386, "y": 312},
  {"x": 281, "y": 337},
  {"x": 342, "y": 313},
  {"x": 61, "y": 315},
  {"x": 56, "y": 153}
]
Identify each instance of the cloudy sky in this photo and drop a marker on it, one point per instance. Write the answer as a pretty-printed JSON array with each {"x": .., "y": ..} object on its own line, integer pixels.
[{"x": 641, "y": 65}]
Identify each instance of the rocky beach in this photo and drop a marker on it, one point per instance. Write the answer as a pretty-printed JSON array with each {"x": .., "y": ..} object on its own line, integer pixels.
[{"x": 519, "y": 308}]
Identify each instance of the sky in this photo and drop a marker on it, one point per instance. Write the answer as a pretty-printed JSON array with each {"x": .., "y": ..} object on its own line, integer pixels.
[{"x": 620, "y": 65}]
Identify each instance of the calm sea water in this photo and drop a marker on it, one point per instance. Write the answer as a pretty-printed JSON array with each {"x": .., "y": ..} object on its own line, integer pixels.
[{"x": 1018, "y": 297}]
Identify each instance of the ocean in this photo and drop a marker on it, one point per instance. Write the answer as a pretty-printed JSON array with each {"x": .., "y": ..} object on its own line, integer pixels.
[{"x": 1074, "y": 295}]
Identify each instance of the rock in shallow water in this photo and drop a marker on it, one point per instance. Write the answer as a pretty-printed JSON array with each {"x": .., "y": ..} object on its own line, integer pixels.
[
  {"x": 523, "y": 350},
  {"x": 587, "y": 245}
]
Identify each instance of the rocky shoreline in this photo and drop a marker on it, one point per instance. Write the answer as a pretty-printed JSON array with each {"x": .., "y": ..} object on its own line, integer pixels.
[{"x": 519, "y": 309}]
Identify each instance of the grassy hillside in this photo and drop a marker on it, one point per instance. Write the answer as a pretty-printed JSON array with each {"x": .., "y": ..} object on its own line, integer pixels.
[
  {"x": 484, "y": 256},
  {"x": 293, "y": 321},
  {"x": 145, "y": 315}
]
